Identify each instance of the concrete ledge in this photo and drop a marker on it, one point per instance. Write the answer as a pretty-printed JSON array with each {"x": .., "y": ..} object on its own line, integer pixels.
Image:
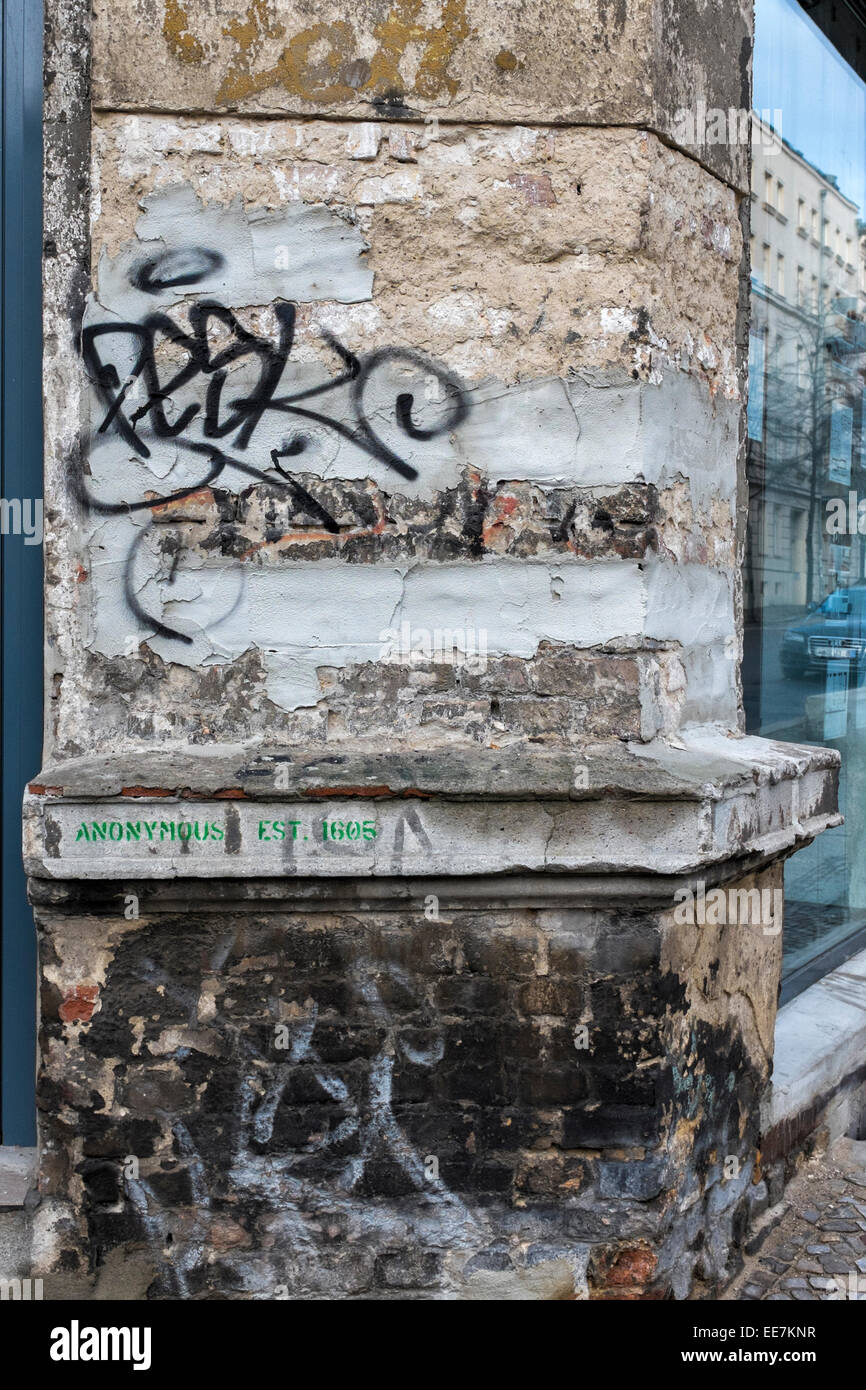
[
  {"x": 820, "y": 1051},
  {"x": 18, "y": 1167},
  {"x": 702, "y": 764},
  {"x": 653, "y": 808}
]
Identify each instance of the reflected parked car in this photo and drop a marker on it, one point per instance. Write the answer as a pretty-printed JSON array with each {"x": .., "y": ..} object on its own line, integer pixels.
[{"x": 835, "y": 631}]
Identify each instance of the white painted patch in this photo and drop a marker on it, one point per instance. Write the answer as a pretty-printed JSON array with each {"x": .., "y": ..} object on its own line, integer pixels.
[
  {"x": 302, "y": 615},
  {"x": 688, "y": 603},
  {"x": 302, "y": 253},
  {"x": 363, "y": 140},
  {"x": 403, "y": 186},
  {"x": 617, "y": 320}
]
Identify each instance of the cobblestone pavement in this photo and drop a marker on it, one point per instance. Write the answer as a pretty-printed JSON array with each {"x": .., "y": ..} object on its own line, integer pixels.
[{"x": 813, "y": 1245}]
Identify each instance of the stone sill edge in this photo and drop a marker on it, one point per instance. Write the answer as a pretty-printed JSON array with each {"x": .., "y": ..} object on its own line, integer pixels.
[
  {"x": 18, "y": 1170},
  {"x": 705, "y": 765}
]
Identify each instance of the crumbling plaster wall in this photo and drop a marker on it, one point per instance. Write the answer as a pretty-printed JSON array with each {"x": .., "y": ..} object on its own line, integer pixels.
[
  {"x": 592, "y": 62},
  {"x": 472, "y": 236},
  {"x": 558, "y": 296}
]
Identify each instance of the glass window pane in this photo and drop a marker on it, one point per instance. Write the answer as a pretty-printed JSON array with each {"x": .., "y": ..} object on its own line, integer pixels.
[{"x": 805, "y": 569}]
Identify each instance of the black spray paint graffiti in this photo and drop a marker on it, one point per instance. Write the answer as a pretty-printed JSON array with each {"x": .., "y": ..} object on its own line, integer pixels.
[{"x": 237, "y": 419}]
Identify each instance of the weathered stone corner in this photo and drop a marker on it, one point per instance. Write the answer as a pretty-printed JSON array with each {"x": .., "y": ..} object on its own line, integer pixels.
[
  {"x": 408, "y": 898},
  {"x": 411, "y": 1065}
]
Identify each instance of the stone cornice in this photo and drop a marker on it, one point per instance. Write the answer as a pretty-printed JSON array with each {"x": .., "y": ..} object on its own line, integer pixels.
[{"x": 654, "y": 809}]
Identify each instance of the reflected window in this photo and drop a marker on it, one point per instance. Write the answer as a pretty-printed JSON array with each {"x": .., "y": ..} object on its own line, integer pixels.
[{"x": 804, "y": 671}]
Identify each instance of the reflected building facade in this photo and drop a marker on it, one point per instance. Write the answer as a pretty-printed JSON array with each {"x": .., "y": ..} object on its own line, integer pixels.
[
  {"x": 804, "y": 575},
  {"x": 807, "y": 442}
]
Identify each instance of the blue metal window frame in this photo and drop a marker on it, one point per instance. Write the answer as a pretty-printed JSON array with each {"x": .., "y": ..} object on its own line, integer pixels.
[{"x": 20, "y": 565}]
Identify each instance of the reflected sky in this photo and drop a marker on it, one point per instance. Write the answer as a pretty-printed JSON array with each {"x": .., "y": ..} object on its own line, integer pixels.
[{"x": 823, "y": 102}]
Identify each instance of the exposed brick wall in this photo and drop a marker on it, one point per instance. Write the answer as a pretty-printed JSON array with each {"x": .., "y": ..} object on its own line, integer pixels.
[{"x": 376, "y": 1102}]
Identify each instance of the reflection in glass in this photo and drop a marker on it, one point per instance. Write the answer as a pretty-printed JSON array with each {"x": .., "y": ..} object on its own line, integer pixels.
[{"x": 805, "y": 569}]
